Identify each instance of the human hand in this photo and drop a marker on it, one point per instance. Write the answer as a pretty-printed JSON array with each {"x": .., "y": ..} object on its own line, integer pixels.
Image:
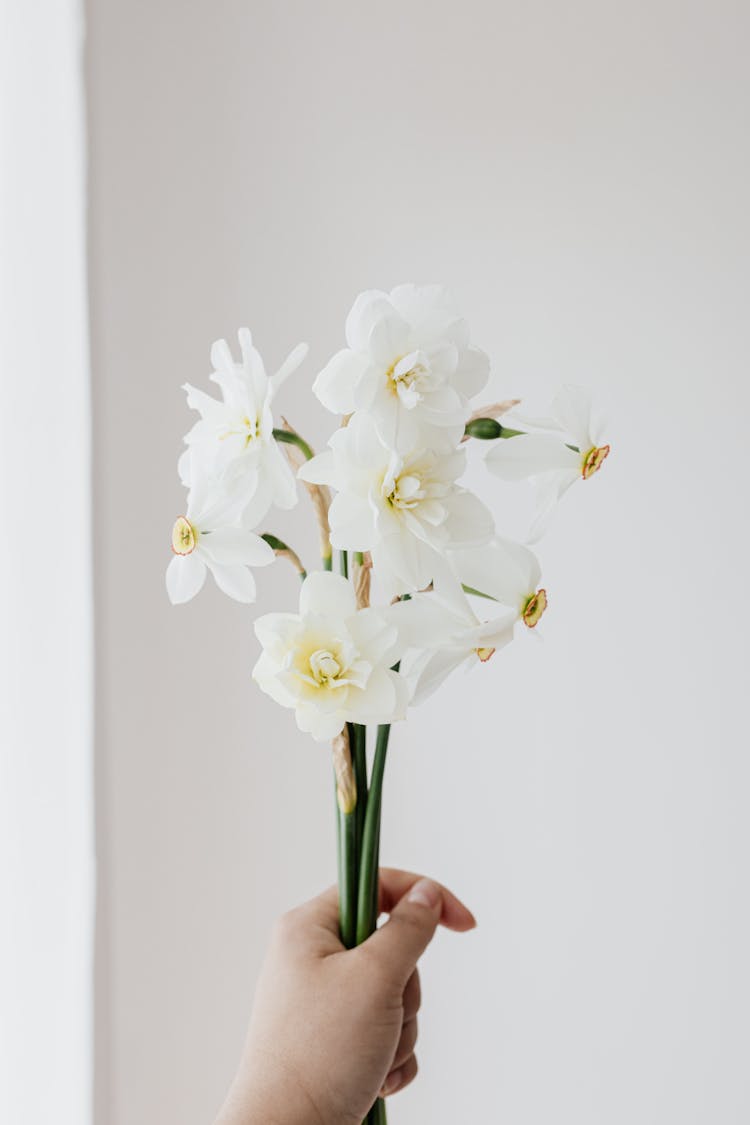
[{"x": 331, "y": 1028}]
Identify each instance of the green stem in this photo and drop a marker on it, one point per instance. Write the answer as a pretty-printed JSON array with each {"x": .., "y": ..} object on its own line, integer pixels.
[
  {"x": 368, "y": 867},
  {"x": 294, "y": 439},
  {"x": 327, "y": 561},
  {"x": 344, "y": 563},
  {"x": 377, "y": 1116},
  {"x": 358, "y": 742},
  {"x": 283, "y": 549}
]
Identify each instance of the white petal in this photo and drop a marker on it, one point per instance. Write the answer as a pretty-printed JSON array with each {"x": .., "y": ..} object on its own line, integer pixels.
[
  {"x": 434, "y": 670},
  {"x": 290, "y": 364},
  {"x": 473, "y": 372},
  {"x": 374, "y": 635},
  {"x": 322, "y": 725},
  {"x": 236, "y": 546},
  {"x": 336, "y": 384},
  {"x": 235, "y": 581},
  {"x": 549, "y": 490},
  {"x": 367, "y": 309},
  {"x": 321, "y": 469},
  {"x": 278, "y": 632},
  {"x": 469, "y": 522},
  {"x": 351, "y": 523},
  {"x": 259, "y": 502},
  {"x": 266, "y": 677},
  {"x": 281, "y": 478},
  {"x": 528, "y": 455},
  {"x": 505, "y": 570},
  {"x": 185, "y": 468},
  {"x": 376, "y": 703},
  {"x": 326, "y": 594},
  {"x": 388, "y": 338},
  {"x": 185, "y": 576},
  {"x": 572, "y": 408}
]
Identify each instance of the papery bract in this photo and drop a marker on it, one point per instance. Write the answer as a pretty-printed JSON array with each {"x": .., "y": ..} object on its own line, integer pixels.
[
  {"x": 547, "y": 458},
  {"x": 409, "y": 364},
  {"x": 331, "y": 662},
  {"x": 406, "y": 509},
  {"x": 232, "y": 448}
]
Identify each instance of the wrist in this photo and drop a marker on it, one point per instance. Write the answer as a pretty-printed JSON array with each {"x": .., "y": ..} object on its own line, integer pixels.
[{"x": 267, "y": 1091}]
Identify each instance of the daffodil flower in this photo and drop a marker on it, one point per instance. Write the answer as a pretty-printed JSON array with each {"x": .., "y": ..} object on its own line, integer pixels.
[
  {"x": 331, "y": 662},
  {"x": 232, "y": 447},
  {"x": 506, "y": 571},
  {"x": 571, "y": 450},
  {"x": 405, "y": 509},
  {"x": 409, "y": 364},
  {"x": 201, "y": 543},
  {"x": 443, "y": 632}
]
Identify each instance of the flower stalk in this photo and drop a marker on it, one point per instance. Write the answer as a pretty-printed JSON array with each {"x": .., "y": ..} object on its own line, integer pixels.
[{"x": 282, "y": 551}]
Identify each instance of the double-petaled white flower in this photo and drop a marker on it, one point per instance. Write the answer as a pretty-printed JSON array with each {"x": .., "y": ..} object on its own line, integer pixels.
[
  {"x": 331, "y": 662},
  {"x": 443, "y": 632},
  {"x": 506, "y": 571},
  {"x": 405, "y": 509},
  {"x": 232, "y": 449},
  {"x": 555, "y": 460},
  {"x": 201, "y": 542},
  {"x": 409, "y": 364}
]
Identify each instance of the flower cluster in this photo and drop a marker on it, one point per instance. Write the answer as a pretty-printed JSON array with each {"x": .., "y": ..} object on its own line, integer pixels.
[
  {"x": 234, "y": 471},
  {"x": 389, "y": 498}
]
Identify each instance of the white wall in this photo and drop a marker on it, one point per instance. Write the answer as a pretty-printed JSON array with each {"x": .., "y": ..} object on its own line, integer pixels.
[
  {"x": 46, "y": 605},
  {"x": 579, "y": 174}
]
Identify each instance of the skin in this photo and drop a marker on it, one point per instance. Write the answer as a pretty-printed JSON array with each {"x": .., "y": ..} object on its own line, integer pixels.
[{"x": 331, "y": 1028}]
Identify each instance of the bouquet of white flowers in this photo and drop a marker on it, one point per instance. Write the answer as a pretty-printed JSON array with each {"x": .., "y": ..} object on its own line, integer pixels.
[{"x": 387, "y": 498}]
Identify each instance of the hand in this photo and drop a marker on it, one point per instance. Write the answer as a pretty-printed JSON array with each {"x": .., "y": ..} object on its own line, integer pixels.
[{"x": 331, "y": 1028}]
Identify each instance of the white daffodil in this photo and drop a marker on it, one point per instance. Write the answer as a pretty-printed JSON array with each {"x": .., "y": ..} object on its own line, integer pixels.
[
  {"x": 331, "y": 662},
  {"x": 409, "y": 364},
  {"x": 200, "y": 542},
  {"x": 406, "y": 510},
  {"x": 555, "y": 460},
  {"x": 232, "y": 447},
  {"x": 506, "y": 571},
  {"x": 443, "y": 633}
]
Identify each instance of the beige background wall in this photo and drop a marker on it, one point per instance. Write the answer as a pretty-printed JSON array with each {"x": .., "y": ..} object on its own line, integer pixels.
[{"x": 579, "y": 174}]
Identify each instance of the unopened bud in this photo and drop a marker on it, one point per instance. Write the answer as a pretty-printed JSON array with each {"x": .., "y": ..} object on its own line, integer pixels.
[
  {"x": 486, "y": 429},
  {"x": 346, "y": 786}
]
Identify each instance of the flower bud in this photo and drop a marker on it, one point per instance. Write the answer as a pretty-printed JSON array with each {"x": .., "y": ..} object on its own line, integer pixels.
[
  {"x": 346, "y": 786},
  {"x": 484, "y": 428}
]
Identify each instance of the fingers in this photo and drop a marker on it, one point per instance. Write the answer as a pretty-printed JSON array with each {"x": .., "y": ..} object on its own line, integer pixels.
[
  {"x": 412, "y": 996},
  {"x": 406, "y": 1044},
  {"x": 394, "y": 884},
  {"x": 400, "y": 1077},
  {"x": 314, "y": 926},
  {"x": 398, "y": 945}
]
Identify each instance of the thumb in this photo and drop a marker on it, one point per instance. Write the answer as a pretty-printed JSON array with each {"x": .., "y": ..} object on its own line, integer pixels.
[{"x": 400, "y": 943}]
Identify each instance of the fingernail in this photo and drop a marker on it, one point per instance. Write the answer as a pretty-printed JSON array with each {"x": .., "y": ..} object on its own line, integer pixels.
[
  {"x": 391, "y": 1082},
  {"x": 426, "y": 893}
]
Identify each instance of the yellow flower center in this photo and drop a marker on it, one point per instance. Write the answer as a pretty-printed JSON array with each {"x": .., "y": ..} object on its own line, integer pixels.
[
  {"x": 407, "y": 492},
  {"x": 593, "y": 461},
  {"x": 249, "y": 429},
  {"x": 484, "y": 654},
  {"x": 184, "y": 536},
  {"x": 403, "y": 377},
  {"x": 324, "y": 666},
  {"x": 534, "y": 608}
]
